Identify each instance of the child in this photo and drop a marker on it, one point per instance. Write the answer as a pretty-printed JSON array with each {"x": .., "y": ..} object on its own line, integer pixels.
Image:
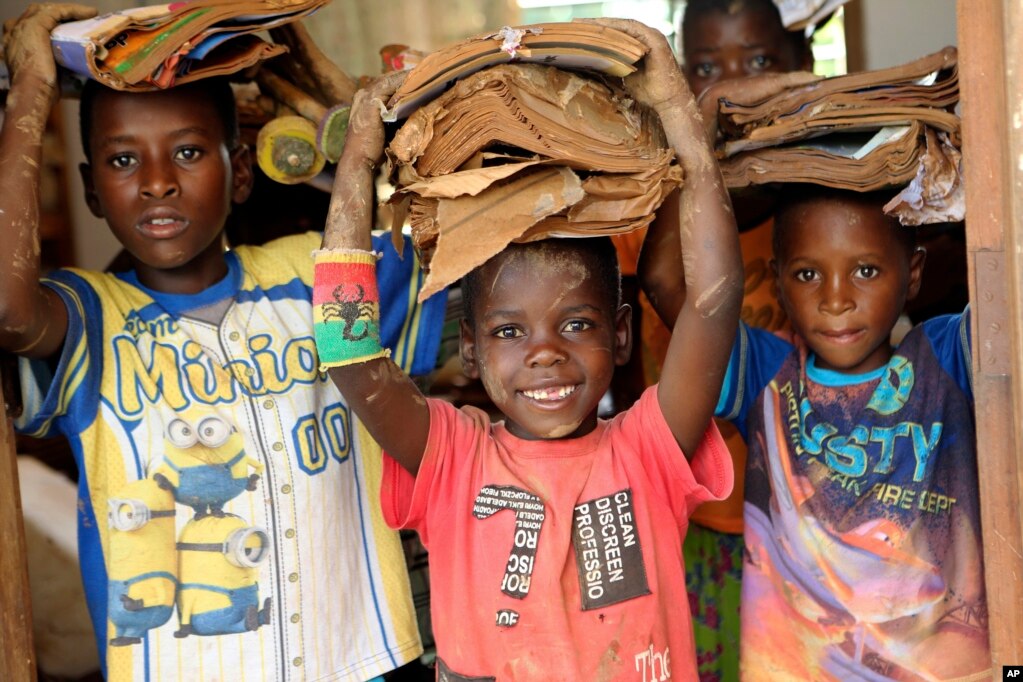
[
  {"x": 221, "y": 475},
  {"x": 591, "y": 586},
  {"x": 725, "y": 40},
  {"x": 862, "y": 528}
]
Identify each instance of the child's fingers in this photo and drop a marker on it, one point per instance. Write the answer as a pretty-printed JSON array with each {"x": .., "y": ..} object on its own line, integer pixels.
[
  {"x": 65, "y": 11},
  {"x": 387, "y": 84},
  {"x": 48, "y": 15},
  {"x": 28, "y": 34}
]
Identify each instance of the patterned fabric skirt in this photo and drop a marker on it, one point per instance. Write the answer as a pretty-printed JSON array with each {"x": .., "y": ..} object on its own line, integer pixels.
[{"x": 714, "y": 581}]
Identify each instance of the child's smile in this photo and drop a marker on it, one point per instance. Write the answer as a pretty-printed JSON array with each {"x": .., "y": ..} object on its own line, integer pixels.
[{"x": 544, "y": 341}]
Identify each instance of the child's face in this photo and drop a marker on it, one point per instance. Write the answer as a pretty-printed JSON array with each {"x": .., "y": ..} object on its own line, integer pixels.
[
  {"x": 843, "y": 279},
  {"x": 545, "y": 341},
  {"x": 719, "y": 46},
  {"x": 162, "y": 176}
]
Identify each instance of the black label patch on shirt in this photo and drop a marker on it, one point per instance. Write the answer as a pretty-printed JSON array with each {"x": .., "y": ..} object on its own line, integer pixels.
[
  {"x": 507, "y": 618},
  {"x": 529, "y": 516},
  {"x": 446, "y": 674},
  {"x": 607, "y": 551}
]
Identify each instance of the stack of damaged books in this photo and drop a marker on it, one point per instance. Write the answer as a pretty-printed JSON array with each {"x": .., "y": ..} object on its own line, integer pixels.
[
  {"x": 520, "y": 151},
  {"x": 155, "y": 47},
  {"x": 890, "y": 128}
]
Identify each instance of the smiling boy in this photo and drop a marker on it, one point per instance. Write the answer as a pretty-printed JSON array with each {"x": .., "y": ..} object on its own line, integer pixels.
[
  {"x": 862, "y": 527},
  {"x": 555, "y": 537},
  {"x": 222, "y": 478}
]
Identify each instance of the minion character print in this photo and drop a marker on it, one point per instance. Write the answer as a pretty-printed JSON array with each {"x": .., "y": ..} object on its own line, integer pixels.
[
  {"x": 219, "y": 558},
  {"x": 205, "y": 465},
  {"x": 143, "y": 561}
]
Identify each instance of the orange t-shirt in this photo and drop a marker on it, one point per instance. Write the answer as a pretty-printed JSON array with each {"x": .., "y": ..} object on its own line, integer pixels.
[
  {"x": 628, "y": 245},
  {"x": 760, "y": 308}
]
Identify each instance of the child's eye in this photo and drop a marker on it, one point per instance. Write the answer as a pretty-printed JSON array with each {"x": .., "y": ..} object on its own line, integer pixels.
[
  {"x": 122, "y": 161},
  {"x": 578, "y": 325},
  {"x": 188, "y": 154},
  {"x": 507, "y": 332},
  {"x": 805, "y": 275},
  {"x": 704, "y": 69},
  {"x": 867, "y": 271},
  {"x": 761, "y": 62}
]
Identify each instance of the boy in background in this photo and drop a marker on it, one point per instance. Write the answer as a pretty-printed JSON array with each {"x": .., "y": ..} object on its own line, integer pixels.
[
  {"x": 721, "y": 41},
  {"x": 228, "y": 525},
  {"x": 595, "y": 511},
  {"x": 862, "y": 528}
]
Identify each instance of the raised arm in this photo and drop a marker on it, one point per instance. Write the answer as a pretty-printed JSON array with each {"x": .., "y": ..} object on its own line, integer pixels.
[
  {"x": 660, "y": 264},
  {"x": 384, "y": 398},
  {"x": 33, "y": 320},
  {"x": 709, "y": 313}
]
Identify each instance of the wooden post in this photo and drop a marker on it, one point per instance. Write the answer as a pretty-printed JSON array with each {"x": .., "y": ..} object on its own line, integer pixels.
[
  {"x": 17, "y": 655},
  {"x": 991, "y": 82}
]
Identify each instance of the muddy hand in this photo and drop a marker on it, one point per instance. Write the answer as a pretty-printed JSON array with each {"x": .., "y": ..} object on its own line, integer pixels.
[
  {"x": 27, "y": 40},
  {"x": 366, "y": 127},
  {"x": 659, "y": 81}
]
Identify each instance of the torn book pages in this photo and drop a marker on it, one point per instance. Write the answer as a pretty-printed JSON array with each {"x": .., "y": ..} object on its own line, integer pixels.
[{"x": 524, "y": 152}]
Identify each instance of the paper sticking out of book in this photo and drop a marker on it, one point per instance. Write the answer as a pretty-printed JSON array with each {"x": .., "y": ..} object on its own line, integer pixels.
[
  {"x": 522, "y": 152},
  {"x": 891, "y": 128},
  {"x": 158, "y": 46},
  {"x": 575, "y": 45},
  {"x": 805, "y": 14}
]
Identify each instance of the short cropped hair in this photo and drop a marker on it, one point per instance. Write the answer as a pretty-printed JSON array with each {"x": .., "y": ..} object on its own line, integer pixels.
[
  {"x": 793, "y": 196},
  {"x": 599, "y": 252},
  {"x": 217, "y": 90}
]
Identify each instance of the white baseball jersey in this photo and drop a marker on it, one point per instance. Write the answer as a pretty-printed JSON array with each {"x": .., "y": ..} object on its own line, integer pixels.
[{"x": 229, "y": 519}]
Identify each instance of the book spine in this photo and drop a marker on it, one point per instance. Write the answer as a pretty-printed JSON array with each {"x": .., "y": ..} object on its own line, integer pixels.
[{"x": 75, "y": 56}]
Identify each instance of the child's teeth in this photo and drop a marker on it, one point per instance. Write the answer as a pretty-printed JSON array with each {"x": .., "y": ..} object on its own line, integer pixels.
[{"x": 550, "y": 394}]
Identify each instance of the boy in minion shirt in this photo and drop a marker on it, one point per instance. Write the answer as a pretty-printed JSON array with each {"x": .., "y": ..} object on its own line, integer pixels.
[{"x": 192, "y": 379}]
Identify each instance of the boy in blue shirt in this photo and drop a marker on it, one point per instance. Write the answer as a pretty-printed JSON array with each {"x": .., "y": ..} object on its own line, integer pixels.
[
  {"x": 862, "y": 526},
  {"x": 229, "y": 526}
]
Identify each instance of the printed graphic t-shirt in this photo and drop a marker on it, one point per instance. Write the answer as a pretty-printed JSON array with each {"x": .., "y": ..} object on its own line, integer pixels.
[
  {"x": 557, "y": 559},
  {"x": 862, "y": 527},
  {"x": 229, "y": 527}
]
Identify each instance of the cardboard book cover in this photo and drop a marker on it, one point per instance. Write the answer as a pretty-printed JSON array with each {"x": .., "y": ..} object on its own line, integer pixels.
[
  {"x": 521, "y": 152},
  {"x": 890, "y": 128},
  {"x": 570, "y": 45},
  {"x": 159, "y": 46}
]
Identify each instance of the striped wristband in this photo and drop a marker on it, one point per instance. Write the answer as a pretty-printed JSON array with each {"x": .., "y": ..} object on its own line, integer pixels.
[{"x": 346, "y": 307}]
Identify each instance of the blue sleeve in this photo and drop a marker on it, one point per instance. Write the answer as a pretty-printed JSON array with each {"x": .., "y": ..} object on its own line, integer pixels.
[
  {"x": 412, "y": 330},
  {"x": 65, "y": 401},
  {"x": 949, "y": 336},
  {"x": 756, "y": 357}
]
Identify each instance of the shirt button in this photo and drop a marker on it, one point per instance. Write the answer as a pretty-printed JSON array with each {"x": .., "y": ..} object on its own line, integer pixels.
[
  {"x": 290, "y": 533},
  {"x": 268, "y": 404},
  {"x": 295, "y": 618},
  {"x": 285, "y": 488},
  {"x": 234, "y": 336},
  {"x": 293, "y": 578},
  {"x": 278, "y": 446},
  {"x": 298, "y": 661},
  {"x": 249, "y": 371}
]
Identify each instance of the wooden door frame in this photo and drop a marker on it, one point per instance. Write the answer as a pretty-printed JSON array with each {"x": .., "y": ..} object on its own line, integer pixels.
[{"x": 991, "y": 83}]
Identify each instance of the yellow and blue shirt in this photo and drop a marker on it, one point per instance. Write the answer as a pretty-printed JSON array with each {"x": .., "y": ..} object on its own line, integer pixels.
[{"x": 229, "y": 522}]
